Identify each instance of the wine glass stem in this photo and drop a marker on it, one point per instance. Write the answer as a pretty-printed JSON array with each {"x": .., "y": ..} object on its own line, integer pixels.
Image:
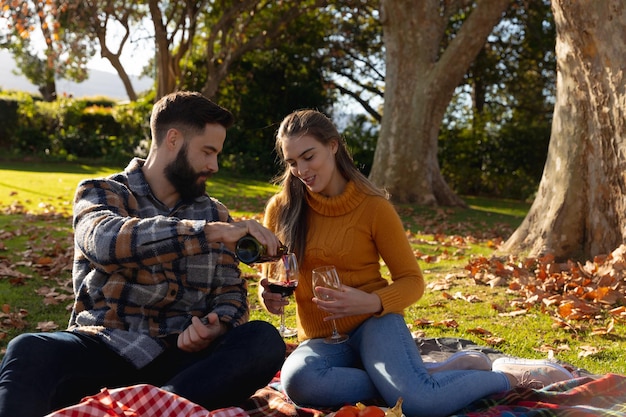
[
  {"x": 335, "y": 332},
  {"x": 282, "y": 321}
]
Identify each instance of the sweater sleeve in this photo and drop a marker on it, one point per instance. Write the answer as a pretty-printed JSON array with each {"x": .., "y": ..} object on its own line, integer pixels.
[{"x": 407, "y": 280}]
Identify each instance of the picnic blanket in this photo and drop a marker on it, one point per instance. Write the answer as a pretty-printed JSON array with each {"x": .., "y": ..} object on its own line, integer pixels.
[{"x": 586, "y": 395}]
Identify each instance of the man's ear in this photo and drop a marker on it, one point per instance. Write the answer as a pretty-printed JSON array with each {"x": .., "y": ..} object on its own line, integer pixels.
[{"x": 173, "y": 138}]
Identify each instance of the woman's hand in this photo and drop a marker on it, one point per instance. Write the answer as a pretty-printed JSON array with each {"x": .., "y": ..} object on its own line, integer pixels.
[
  {"x": 198, "y": 336},
  {"x": 347, "y": 301},
  {"x": 274, "y": 302}
]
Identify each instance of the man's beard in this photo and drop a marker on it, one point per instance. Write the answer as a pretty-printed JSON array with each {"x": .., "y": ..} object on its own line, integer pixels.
[{"x": 183, "y": 177}]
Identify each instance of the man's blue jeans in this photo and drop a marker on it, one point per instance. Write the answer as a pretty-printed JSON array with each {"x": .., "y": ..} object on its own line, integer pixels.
[
  {"x": 42, "y": 372},
  {"x": 381, "y": 360}
]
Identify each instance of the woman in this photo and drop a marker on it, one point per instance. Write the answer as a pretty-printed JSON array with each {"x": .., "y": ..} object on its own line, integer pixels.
[{"x": 328, "y": 213}]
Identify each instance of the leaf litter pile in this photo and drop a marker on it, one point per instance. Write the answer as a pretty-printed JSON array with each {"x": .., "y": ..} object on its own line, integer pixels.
[
  {"x": 571, "y": 292},
  {"x": 581, "y": 298}
]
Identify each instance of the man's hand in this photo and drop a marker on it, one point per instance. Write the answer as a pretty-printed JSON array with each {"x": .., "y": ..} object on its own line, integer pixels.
[
  {"x": 230, "y": 233},
  {"x": 198, "y": 336}
]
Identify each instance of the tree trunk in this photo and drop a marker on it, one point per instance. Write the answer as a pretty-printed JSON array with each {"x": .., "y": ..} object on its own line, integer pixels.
[
  {"x": 165, "y": 69},
  {"x": 580, "y": 208},
  {"x": 121, "y": 71},
  {"x": 100, "y": 30},
  {"x": 419, "y": 84},
  {"x": 48, "y": 91},
  {"x": 114, "y": 59}
]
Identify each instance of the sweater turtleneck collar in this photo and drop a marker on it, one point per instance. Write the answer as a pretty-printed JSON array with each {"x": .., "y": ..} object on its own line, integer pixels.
[{"x": 337, "y": 205}]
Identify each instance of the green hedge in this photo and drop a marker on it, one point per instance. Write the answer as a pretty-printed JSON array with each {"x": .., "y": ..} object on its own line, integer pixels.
[
  {"x": 69, "y": 129},
  {"x": 8, "y": 120},
  {"x": 507, "y": 162}
]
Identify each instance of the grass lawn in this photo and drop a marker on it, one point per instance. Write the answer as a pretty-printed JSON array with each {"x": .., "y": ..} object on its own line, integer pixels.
[{"x": 36, "y": 250}]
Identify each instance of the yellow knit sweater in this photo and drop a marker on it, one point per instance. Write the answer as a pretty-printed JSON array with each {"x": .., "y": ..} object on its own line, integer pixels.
[{"x": 353, "y": 231}]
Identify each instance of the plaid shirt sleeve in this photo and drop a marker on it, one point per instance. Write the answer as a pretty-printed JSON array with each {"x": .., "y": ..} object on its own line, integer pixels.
[{"x": 114, "y": 232}]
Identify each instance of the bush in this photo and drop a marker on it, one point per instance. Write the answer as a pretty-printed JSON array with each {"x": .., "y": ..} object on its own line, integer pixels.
[
  {"x": 506, "y": 163},
  {"x": 67, "y": 129},
  {"x": 8, "y": 120},
  {"x": 361, "y": 136}
]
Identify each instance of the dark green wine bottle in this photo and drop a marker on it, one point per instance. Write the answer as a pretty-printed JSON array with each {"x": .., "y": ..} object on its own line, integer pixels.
[{"x": 251, "y": 251}]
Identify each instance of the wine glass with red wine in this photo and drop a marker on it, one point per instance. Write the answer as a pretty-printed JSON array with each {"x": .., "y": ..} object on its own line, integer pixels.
[{"x": 283, "y": 280}]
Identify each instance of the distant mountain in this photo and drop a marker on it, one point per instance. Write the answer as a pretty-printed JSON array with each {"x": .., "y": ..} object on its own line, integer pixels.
[{"x": 99, "y": 83}]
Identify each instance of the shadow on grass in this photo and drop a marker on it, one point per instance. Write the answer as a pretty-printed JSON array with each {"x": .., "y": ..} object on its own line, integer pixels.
[
  {"x": 26, "y": 190},
  {"x": 58, "y": 167},
  {"x": 485, "y": 218}
]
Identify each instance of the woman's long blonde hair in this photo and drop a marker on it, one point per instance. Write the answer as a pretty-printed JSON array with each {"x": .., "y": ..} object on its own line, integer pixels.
[{"x": 291, "y": 226}]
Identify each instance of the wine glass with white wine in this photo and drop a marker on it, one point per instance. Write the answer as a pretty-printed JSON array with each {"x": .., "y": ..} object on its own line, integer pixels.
[
  {"x": 327, "y": 277},
  {"x": 283, "y": 280}
]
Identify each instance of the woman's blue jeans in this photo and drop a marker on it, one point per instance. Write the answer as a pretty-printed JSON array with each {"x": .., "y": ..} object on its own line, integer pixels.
[
  {"x": 42, "y": 372},
  {"x": 381, "y": 360}
]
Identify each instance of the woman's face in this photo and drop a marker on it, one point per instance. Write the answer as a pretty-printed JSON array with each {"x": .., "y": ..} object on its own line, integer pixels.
[{"x": 314, "y": 164}]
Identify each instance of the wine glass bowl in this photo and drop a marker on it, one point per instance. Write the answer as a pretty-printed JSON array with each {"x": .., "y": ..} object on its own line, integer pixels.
[
  {"x": 327, "y": 277},
  {"x": 283, "y": 280}
]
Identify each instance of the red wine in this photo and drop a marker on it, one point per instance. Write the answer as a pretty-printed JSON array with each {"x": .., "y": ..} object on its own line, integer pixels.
[{"x": 283, "y": 288}]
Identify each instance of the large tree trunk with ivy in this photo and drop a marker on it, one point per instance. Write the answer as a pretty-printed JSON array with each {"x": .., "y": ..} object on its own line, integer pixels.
[
  {"x": 420, "y": 80},
  {"x": 580, "y": 208}
]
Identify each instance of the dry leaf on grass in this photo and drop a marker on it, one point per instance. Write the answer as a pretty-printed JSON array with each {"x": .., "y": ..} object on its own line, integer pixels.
[
  {"x": 13, "y": 319},
  {"x": 422, "y": 322},
  {"x": 47, "y": 326},
  {"x": 494, "y": 341},
  {"x": 451, "y": 323},
  {"x": 479, "y": 331},
  {"x": 588, "y": 351}
]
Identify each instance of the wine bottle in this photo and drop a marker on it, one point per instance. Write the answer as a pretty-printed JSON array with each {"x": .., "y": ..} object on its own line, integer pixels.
[{"x": 251, "y": 251}]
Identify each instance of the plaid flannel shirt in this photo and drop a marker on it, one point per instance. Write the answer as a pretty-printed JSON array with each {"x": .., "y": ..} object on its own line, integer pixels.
[{"x": 142, "y": 270}]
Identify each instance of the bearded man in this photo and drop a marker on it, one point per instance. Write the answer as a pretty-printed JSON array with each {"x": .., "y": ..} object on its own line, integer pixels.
[{"x": 159, "y": 297}]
